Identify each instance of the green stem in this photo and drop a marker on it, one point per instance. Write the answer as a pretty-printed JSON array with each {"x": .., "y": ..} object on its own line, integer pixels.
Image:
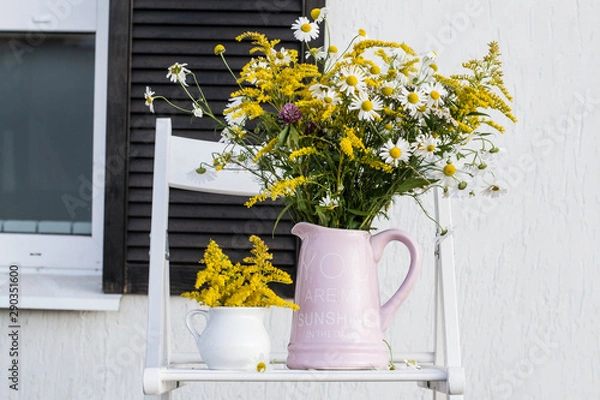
[{"x": 442, "y": 230}]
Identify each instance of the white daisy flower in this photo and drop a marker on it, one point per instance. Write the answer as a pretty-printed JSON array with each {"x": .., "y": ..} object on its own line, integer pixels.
[
  {"x": 394, "y": 153},
  {"x": 149, "y": 96},
  {"x": 444, "y": 115},
  {"x": 232, "y": 113},
  {"x": 317, "y": 89},
  {"x": 304, "y": 30},
  {"x": 450, "y": 174},
  {"x": 412, "y": 100},
  {"x": 435, "y": 93},
  {"x": 420, "y": 113},
  {"x": 352, "y": 80},
  {"x": 376, "y": 64},
  {"x": 493, "y": 188},
  {"x": 177, "y": 73},
  {"x": 281, "y": 57},
  {"x": 443, "y": 234},
  {"x": 256, "y": 65},
  {"x": 319, "y": 14},
  {"x": 319, "y": 53},
  {"x": 400, "y": 58},
  {"x": 328, "y": 202},
  {"x": 476, "y": 169},
  {"x": 330, "y": 96},
  {"x": 428, "y": 65},
  {"x": 412, "y": 364},
  {"x": 387, "y": 89},
  {"x": 403, "y": 76},
  {"x": 426, "y": 147},
  {"x": 198, "y": 113},
  {"x": 367, "y": 107},
  {"x": 227, "y": 135}
]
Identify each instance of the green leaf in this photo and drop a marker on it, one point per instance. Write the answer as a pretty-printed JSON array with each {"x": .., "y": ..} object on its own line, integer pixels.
[
  {"x": 283, "y": 136},
  {"x": 411, "y": 184},
  {"x": 478, "y": 114},
  {"x": 293, "y": 136},
  {"x": 358, "y": 212}
]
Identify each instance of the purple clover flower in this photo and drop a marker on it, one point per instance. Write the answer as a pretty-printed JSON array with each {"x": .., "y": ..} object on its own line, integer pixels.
[{"x": 289, "y": 114}]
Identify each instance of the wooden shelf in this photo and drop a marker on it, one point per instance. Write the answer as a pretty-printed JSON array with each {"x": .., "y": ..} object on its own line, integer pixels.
[{"x": 279, "y": 373}]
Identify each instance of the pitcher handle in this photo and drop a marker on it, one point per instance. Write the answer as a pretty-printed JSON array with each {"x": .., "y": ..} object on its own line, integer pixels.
[
  {"x": 378, "y": 242},
  {"x": 190, "y": 326}
]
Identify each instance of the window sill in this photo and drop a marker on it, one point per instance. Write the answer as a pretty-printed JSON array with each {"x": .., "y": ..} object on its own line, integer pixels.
[{"x": 45, "y": 289}]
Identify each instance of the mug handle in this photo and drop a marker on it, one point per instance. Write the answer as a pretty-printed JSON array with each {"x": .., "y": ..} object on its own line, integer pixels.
[
  {"x": 190, "y": 326},
  {"x": 378, "y": 242}
]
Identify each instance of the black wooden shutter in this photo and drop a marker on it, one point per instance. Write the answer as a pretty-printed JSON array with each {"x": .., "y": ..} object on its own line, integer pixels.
[{"x": 168, "y": 31}]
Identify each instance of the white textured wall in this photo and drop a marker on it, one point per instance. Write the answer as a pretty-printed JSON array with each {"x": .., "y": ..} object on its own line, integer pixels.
[{"x": 527, "y": 265}]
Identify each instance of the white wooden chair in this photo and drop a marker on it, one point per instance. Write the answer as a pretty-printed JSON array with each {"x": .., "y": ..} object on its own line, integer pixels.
[{"x": 175, "y": 161}]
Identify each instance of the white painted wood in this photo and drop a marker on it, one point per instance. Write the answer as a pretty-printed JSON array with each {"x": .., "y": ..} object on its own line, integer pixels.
[
  {"x": 51, "y": 289},
  {"x": 158, "y": 333},
  {"x": 447, "y": 285},
  {"x": 45, "y": 16},
  {"x": 187, "y": 154},
  {"x": 423, "y": 357},
  {"x": 446, "y": 320},
  {"x": 425, "y": 374}
]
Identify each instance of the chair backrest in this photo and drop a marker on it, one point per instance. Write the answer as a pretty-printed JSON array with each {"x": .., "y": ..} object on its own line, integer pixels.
[
  {"x": 175, "y": 163},
  {"x": 179, "y": 157}
]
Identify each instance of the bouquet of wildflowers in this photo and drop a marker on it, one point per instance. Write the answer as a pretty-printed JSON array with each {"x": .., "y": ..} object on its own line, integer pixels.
[
  {"x": 339, "y": 137},
  {"x": 224, "y": 284}
]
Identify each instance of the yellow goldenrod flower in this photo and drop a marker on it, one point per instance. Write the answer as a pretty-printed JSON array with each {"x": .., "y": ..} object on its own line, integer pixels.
[
  {"x": 223, "y": 283},
  {"x": 305, "y": 151},
  {"x": 346, "y": 146}
]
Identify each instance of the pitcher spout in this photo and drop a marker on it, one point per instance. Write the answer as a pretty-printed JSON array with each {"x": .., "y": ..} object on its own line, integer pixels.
[{"x": 302, "y": 229}]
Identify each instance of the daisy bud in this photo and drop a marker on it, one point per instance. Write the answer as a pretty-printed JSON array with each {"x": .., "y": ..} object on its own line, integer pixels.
[
  {"x": 219, "y": 49},
  {"x": 462, "y": 185},
  {"x": 315, "y": 13}
]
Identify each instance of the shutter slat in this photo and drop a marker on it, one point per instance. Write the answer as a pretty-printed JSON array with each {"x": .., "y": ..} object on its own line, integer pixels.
[
  {"x": 213, "y": 18},
  {"x": 183, "y": 277},
  {"x": 194, "y": 255},
  {"x": 222, "y": 6}
]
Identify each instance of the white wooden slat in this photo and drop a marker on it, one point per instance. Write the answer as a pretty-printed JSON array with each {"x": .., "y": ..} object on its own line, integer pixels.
[
  {"x": 447, "y": 290},
  {"x": 425, "y": 357},
  {"x": 157, "y": 353},
  {"x": 424, "y": 374},
  {"x": 187, "y": 154}
]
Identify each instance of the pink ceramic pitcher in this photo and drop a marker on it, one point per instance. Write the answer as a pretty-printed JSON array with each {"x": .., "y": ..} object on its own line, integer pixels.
[{"x": 341, "y": 320}]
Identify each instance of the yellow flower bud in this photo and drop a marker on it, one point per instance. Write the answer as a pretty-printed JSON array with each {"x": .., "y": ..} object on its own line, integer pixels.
[
  {"x": 315, "y": 13},
  {"x": 219, "y": 49}
]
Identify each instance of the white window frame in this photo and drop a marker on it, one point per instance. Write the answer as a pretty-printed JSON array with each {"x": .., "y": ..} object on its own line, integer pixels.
[{"x": 64, "y": 271}]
